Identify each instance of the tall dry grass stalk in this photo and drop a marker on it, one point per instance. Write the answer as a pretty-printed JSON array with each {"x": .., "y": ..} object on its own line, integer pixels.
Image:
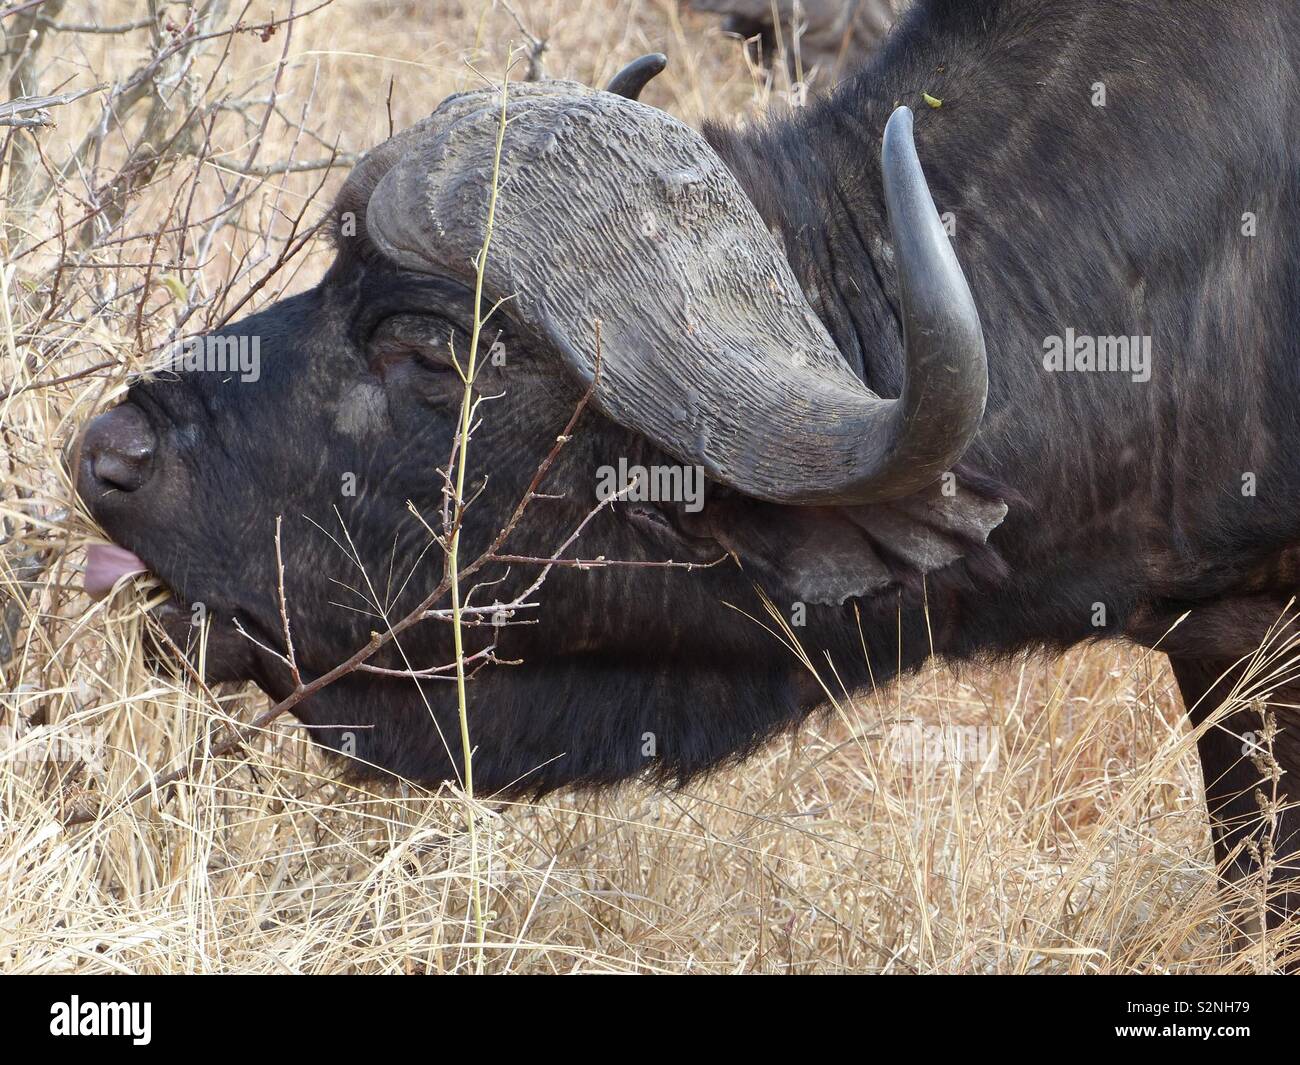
[
  {"x": 468, "y": 374},
  {"x": 186, "y": 192}
]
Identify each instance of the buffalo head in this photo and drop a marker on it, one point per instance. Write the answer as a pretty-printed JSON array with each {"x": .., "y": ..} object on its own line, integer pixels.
[{"x": 626, "y": 264}]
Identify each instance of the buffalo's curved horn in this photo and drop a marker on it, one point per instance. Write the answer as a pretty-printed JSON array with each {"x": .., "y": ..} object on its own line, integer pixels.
[
  {"x": 946, "y": 382},
  {"x": 613, "y": 212},
  {"x": 634, "y": 77}
]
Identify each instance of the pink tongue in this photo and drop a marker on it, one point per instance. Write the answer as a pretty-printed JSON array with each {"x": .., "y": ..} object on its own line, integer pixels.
[{"x": 106, "y": 564}]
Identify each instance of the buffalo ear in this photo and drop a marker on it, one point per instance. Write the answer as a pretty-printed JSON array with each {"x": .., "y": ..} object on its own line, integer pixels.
[{"x": 827, "y": 555}]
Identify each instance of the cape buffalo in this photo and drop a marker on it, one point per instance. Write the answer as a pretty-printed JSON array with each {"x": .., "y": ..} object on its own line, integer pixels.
[
  {"x": 837, "y": 35},
  {"x": 1122, "y": 189}
]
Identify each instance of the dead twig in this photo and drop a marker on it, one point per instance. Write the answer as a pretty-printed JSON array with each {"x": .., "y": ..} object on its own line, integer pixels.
[
  {"x": 536, "y": 45},
  {"x": 31, "y": 112}
]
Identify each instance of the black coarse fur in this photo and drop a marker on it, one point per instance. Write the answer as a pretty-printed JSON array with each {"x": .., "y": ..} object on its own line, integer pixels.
[
  {"x": 1116, "y": 220},
  {"x": 1112, "y": 220}
]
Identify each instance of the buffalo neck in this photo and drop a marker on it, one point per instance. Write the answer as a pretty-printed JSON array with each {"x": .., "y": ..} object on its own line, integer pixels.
[{"x": 827, "y": 210}]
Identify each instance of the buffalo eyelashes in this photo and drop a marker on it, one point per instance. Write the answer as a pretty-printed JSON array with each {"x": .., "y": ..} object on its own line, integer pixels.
[{"x": 435, "y": 344}]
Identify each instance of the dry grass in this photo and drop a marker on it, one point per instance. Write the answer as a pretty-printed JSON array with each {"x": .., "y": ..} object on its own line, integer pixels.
[{"x": 1081, "y": 846}]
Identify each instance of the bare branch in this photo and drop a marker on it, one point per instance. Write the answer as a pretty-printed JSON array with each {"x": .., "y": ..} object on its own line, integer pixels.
[
  {"x": 292, "y": 166},
  {"x": 28, "y": 112}
]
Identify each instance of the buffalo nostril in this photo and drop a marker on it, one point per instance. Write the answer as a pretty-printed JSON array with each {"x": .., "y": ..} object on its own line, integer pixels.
[{"x": 118, "y": 448}]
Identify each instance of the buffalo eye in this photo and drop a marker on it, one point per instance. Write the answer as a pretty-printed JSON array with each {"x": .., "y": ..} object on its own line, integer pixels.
[{"x": 432, "y": 344}]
